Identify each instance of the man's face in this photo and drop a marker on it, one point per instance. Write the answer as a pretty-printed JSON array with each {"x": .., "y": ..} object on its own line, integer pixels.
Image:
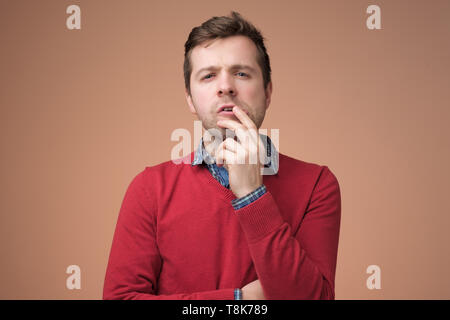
[{"x": 226, "y": 72}]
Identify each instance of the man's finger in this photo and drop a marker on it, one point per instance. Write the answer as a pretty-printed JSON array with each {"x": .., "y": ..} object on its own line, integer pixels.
[
  {"x": 240, "y": 152},
  {"x": 244, "y": 118},
  {"x": 231, "y": 124},
  {"x": 227, "y": 157},
  {"x": 231, "y": 144},
  {"x": 241, "y": 132}
]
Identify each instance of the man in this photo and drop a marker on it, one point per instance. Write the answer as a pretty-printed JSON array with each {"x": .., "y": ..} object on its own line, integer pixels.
[{"x": 223, "y": 226}]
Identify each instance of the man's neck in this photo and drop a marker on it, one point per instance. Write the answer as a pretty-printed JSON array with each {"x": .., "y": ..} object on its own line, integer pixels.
[{"x": 210, "y": 146}]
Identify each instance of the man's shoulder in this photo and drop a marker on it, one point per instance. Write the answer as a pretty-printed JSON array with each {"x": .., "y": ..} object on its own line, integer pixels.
[
  {"x": 292, "y": 164},
  {"x": 163, "y": 174},
  {"x": 296, "y": 168},
  {"x": 169, "y": 167}
]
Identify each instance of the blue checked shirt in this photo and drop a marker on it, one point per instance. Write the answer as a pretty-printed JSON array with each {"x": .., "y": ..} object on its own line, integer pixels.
[{"x": 221, "y": 174}]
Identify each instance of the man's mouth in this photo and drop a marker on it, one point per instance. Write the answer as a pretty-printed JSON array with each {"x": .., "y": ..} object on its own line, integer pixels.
[{"x": 226, "y": 108}]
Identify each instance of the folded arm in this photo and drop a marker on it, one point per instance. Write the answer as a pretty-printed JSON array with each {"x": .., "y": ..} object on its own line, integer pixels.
[{"x": 297, "y": 264}]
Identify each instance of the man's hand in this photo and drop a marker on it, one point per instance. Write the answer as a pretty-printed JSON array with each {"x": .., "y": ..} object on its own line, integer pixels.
[
  {"x": 241, "y": 159},
  {"x": 253, "y": 291}
]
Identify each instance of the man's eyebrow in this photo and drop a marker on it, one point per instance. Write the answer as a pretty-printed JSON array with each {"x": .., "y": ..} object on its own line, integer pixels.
[{"x": 233, "y": 67}]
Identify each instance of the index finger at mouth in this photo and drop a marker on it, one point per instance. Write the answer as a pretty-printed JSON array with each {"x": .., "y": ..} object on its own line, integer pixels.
[
  {"x": 243, "y": 117},
  {"x": 230, "y": 124}
]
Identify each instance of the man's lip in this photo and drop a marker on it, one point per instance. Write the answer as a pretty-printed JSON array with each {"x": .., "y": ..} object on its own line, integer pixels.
[
  {"x": 229, "y": 106},
  {"x": 225, "y": 106}
]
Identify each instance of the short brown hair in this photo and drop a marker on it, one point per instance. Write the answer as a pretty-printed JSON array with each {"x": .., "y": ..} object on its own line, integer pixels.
[{"x": 223, "y": 27}]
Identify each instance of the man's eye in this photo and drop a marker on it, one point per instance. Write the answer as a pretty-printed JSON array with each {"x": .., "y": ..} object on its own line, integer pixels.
[
  {"x": 208, "y": 76},
  {"x": 242, "y": 74}
]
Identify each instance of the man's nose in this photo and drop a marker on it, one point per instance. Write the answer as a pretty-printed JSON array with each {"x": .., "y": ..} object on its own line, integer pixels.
[{"x": 226, "y": 86}]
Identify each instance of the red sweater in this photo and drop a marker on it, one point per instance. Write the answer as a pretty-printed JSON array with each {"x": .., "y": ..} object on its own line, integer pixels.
[{"x": 178, "y": 237}]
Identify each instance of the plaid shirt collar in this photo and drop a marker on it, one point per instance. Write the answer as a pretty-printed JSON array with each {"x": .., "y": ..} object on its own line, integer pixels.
[{"x": 271, "y": 168}]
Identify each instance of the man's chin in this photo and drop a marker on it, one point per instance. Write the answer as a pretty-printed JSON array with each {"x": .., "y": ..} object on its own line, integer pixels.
[{"x": 218, "y": 132}]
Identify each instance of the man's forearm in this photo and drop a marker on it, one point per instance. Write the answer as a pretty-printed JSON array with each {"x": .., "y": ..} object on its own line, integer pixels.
[{"x": 299, "y": 266}]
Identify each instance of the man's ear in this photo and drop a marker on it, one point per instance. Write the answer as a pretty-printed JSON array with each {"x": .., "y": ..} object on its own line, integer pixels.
[
  {"x": 268, "y": 94},
  {"x": 189, "y": 101}
]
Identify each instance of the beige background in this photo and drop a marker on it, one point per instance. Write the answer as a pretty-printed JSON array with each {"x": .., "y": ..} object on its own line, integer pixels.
[{"x": 83, "y": 111}]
